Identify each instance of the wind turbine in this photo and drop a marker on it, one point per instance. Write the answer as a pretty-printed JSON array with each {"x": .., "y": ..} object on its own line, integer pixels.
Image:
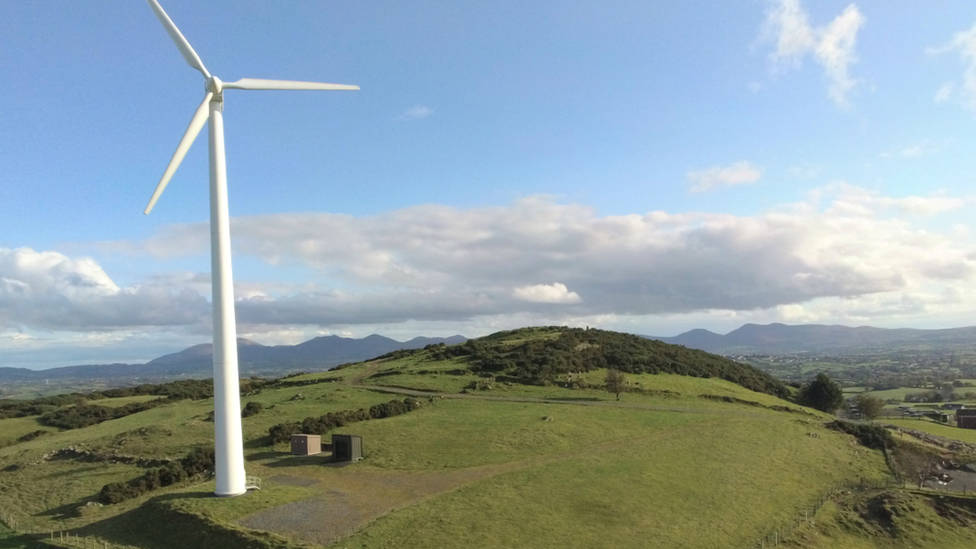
[{"x": 228, "y": 439}]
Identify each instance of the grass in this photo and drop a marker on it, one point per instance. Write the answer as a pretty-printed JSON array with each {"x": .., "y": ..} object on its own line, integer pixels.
[
  {"x": 663, "y": 467},
  {"x": 928, "y": 426},
  {"x": 900, "y": 393},
  {"x": 899, "y": 520},
  {"x": 122, "y": 401},
  {"x": 16, "y": 427},
  {"x": 656, "y": 482}
]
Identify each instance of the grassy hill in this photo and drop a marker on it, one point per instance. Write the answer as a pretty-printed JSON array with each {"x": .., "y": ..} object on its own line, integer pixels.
[{"x": 512, "y": 442}]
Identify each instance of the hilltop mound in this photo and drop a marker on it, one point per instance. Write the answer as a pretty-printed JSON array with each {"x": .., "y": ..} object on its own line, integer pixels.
[{"x": 540, "y": 354}]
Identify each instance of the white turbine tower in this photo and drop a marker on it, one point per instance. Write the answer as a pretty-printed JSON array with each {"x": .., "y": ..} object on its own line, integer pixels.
[{"x": 228, "y": 440}]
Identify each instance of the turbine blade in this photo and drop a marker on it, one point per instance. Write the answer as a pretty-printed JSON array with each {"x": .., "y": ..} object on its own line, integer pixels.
[
  {"x": 196, "y": 124},
  {"x": 191, "y": 56},
  {"x": 261, "y": 84}
]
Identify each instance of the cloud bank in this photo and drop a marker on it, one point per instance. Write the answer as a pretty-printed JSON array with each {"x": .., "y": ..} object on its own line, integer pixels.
[
  {"x": 535, "y": 257},
  {"x": 48, "y": 290},
  {"x": 439, "y": 263}
]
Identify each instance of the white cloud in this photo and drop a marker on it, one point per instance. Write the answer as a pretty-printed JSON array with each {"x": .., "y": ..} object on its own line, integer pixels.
[
  {"x": 416, "y": 112},
  {"x": 832, "y": 46},
  {"x": 739, "y": 173},
  {"x": 52, "y": 291},
  {"x": 842, "y": 253},
  {"x": 945, "y": 92},
  {"x": 964, "y": 43},
  {"x": 546, "y": 293},
  {"x": 26, "y": 272},
  {"x": 430, "y": 263},
  {"x": 913, "y": 151}
]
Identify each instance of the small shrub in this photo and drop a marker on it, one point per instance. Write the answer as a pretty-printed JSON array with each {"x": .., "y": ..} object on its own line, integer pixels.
[
  {"x": 197, "y": 463},
  {"x": 32, "y": 435},
  {"x": 872, "y": 436},
  {"x": 283, "y": 431},
  {"x": 252, "y": 409}
]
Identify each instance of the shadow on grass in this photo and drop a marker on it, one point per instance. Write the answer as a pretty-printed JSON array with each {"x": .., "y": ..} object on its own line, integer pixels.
[
  {"x": 158, "y": 524},
  {"x": 183, "y": 495},
  {"x": 300, "y": 461},
  {"x": 572, "y": 399},
  {"x": 66, "y": 511},
  {"x": 260, "y": 442},
  {"x": 265, "y": 455},
  {"x": 17, "y": 542}
]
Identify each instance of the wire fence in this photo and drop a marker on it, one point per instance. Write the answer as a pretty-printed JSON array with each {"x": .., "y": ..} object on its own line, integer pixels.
[
  {"x": 777, "y": 536},
  {"x": 36, "y": 537},
  {"x": 807, "y": 515}
]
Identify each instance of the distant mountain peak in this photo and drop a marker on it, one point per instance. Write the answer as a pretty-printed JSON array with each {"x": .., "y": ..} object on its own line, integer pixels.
[
  {"x": 785, "y": 338},
  {"x": 320, "y": 353}
]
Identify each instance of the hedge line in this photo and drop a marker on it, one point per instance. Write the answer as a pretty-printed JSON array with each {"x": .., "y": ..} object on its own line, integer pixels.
[
  {"x": 198, "y": 462},
  {"x": 323, "y": 424},
  {"x": 868, "y": 434}
]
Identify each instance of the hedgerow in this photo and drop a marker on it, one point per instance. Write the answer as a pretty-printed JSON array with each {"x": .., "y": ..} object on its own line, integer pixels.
[
  {"x": 323, "y": 424},
  {"x": 199, "y": 462}
]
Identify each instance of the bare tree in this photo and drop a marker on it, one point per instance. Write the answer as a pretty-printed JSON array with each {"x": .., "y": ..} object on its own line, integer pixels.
[
  {"x": 917, "y": 464},
  {"x": 615, "y": 382}
]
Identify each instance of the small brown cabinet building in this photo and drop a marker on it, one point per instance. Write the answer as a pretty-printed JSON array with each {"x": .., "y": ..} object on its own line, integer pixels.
[{"x": 306, "y": 445}]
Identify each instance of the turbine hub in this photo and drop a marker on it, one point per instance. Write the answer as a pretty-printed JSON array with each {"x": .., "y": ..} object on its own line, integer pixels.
[{"x": 215, "y": 85}]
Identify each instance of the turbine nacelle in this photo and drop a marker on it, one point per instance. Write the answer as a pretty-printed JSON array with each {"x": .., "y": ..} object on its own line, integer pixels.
[{"x": 215, "y": 86}]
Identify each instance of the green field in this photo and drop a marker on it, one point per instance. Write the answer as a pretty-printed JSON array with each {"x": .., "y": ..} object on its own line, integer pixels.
[
  {"x": 929, "y": 426},
  {"x": 679, "y": 462}
]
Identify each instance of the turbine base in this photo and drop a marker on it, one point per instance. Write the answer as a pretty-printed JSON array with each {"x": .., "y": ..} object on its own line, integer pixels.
[{"x": 233, "y": 495}]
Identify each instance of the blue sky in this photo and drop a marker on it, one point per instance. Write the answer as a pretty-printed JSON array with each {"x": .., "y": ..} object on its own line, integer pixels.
[{"x": 642, "y": 166}]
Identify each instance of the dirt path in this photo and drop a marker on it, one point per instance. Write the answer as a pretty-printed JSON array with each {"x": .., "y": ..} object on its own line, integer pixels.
[
  {"x": 368, "y": 371},
  {"x": 350, "y": 501}
]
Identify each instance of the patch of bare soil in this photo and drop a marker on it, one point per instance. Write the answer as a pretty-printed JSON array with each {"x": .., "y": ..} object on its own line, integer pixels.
[{"x": 353, "y": 500}]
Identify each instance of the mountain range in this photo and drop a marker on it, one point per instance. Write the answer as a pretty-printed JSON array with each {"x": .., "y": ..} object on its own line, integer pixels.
[
  {"x": 782, "y": 339},
  {"x": 320, "y": 353}
]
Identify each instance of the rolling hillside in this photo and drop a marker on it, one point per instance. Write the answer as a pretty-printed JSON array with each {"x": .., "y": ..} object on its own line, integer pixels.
[{"x": 505, "y": 441}]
